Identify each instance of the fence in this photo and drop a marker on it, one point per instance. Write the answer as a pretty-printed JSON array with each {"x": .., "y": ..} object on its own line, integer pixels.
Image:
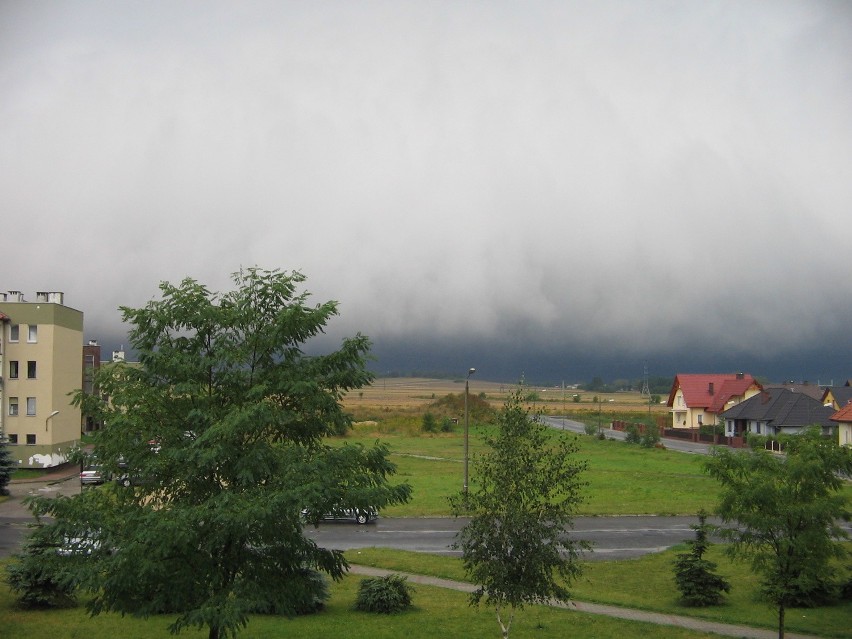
[{"x": 686, "y": 434}]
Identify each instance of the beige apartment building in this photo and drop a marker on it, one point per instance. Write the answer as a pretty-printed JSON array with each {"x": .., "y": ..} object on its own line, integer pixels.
[{"x": 41, "y": 350}]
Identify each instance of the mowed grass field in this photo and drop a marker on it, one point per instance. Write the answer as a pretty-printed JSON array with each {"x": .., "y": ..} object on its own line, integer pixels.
[{"x": 622, "y": 479}]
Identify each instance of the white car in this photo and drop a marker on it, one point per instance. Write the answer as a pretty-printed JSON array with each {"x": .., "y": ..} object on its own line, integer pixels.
[{"x": 92, "y": 475}]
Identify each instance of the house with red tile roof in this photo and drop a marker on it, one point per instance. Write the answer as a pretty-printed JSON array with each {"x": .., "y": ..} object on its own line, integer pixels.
[
  {"x": 698, "y": 399},
  {"x": 843, "y": 417}
]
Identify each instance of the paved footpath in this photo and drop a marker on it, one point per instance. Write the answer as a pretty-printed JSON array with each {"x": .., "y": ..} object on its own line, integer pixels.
[{"x": 691, "y": 623}]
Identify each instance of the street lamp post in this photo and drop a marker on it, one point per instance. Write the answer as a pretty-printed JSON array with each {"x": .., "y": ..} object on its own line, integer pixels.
[
  {"x": 466, "y": 429},
  {"x": 48, "y": 418}
]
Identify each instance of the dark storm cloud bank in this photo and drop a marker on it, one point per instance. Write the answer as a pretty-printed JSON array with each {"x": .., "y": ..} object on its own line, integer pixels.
[{"x": 552, "y": 366}]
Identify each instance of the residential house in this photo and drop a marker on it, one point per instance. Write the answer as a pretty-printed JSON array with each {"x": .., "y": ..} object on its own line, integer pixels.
[
  {"x": 813, "y": 390},
  {"x": 698, "y": 399},
  {"x": 838, "y": 396},
  {"x": 776, "y": 411},
  {"x": 843, "y": 417},
  {"x": 41, "y": 350}
]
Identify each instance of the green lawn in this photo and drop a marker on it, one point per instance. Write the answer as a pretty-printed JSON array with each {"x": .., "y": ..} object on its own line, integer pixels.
[
  {"x": 646, "y": 583},
  {"x": 437, "y": 613},
  {"x": 623, "y": 479}
]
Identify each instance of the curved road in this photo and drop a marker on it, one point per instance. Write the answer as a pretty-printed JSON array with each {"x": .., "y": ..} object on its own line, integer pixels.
[{"x": 679, "y": 445}]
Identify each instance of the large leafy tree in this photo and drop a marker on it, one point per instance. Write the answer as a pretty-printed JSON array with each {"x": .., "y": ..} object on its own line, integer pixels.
[
  {"x": 783, "y": 514},
  {"x": 526, "y": 489},
  {"x": 220, "y": 432}
]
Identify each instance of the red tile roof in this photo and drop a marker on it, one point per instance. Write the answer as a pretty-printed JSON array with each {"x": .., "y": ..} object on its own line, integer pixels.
[
  {"x": 710, "y": 392},
  {"x": 844, "y": 414}
]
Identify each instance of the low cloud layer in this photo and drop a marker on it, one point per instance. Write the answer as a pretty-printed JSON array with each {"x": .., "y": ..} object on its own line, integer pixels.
[{"x": 605, "y": 182}]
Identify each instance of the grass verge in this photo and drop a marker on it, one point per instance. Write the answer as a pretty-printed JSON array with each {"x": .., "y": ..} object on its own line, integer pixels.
[
  {"x": 436, "y": 613},
  {"x": 647, "y": 584}
]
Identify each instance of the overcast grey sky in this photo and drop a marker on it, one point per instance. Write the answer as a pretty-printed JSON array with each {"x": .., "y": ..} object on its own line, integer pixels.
[{"x": 512, "y": 182}]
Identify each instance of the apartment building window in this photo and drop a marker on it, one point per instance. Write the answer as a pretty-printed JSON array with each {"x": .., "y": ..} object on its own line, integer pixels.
[
  {"x": 13, "y": 369},
  {"x": 32, "y": 335},
  {"x": 31, "y": 440},
  {"x": 31, "y": 370},
  {"x": 31, "y": 406},
  {"x": 13, "y": 406},
  {"x": 13, "y": 438},
  {"x": 14, "y": 332}
]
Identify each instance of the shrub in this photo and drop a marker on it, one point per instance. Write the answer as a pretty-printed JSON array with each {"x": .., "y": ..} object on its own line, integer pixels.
[
  {"x": 388, "y": 594},
  {"x": 303, "y": 592},
  {"x": 430, "y": 424},
  {"x": 447, "y": 425},
  {"x": 591, "y": 428},
  {"x": 632, "y": 435},
  {"x": 7, "y": 465},
  {"x": 40, "y": 578},
  {"x": 651, "y": 436}
]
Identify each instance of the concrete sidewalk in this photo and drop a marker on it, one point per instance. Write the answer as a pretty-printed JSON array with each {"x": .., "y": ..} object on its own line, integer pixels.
[{"x": 690, "y": 623}]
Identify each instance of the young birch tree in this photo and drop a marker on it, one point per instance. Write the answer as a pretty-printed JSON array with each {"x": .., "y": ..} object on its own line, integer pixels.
[{"x": 524, "y": 494}]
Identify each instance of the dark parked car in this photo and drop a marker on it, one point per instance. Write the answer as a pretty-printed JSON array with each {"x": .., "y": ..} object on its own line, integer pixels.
[{"x": 360, "y": 516}]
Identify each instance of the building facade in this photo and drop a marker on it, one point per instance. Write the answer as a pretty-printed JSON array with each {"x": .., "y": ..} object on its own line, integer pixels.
[{"x": 41, "y": 349}]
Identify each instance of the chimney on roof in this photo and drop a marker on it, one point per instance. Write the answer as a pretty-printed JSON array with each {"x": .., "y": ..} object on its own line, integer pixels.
[
  {"x": 50, "y": 297},
  {"x": 740, "y": 376},
  {"x": 710, "y": 388}
]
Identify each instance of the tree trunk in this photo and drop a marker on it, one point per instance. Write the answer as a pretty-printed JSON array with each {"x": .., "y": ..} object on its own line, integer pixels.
[
  {"x": 214, "y": 633},
  {"x": 507, "y": 626},
  {"x": 781, "y": 621}
]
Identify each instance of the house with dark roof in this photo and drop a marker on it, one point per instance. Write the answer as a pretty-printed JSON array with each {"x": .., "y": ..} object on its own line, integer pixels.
[
  {"x": 843, "y": 417},
  {"x": 698, "y": 399},
  {"x": 838, "y": 396},
  {"x": 776, "y": 411}
]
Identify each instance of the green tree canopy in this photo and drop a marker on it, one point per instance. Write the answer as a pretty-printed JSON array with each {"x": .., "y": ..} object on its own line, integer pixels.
[
  {"x": 7, "y": 466},
  {"x": 220, "y": 430},
  {"x": 783, "y": 513},
  {"x": 525, "y": 491}
]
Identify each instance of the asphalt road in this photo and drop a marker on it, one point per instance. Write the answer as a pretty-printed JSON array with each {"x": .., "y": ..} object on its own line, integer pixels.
[{"x": 612, "y": 537}]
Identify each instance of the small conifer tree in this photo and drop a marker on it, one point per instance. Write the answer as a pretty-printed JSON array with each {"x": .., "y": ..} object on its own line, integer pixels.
[{"x": 699, "y": 585}]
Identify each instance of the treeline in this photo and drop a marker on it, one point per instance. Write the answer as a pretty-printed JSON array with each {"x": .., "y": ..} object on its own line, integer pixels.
[{"x": 656, "y": 385}]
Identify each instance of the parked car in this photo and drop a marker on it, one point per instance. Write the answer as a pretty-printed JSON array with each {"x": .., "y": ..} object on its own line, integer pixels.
[
  {"x": 92, "y": 475},
  {"x": 360, "y": 516}
]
